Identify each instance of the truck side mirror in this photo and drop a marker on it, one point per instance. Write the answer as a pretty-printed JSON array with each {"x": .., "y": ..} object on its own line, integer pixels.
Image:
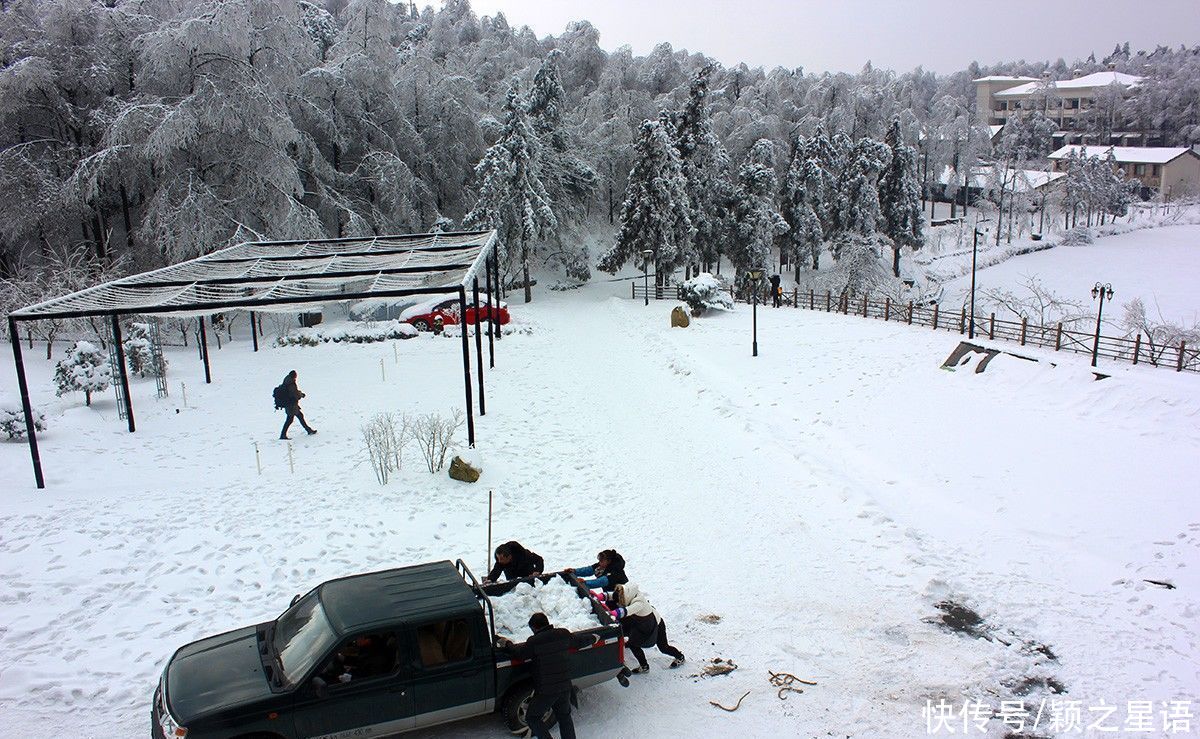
[
  {"x": 319, "y": 688},
  {"x": 295, "y": 600}
]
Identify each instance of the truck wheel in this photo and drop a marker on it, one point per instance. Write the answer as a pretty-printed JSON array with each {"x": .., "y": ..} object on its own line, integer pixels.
[{"x": 516, "y": 710}]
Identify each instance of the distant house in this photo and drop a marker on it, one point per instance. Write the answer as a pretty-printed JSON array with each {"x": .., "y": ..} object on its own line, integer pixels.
[
  {"x": 999, "y": 99},
  {"x": 1173, "y": 171}
]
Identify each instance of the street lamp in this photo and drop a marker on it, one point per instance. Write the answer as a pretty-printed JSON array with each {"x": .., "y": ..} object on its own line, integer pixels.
[
  {"x": 646, "y": 254},
  {"x": 1102, "y": 292},
  {"x": 755, "y": 276},
  {"x": 974, "y": 254}
]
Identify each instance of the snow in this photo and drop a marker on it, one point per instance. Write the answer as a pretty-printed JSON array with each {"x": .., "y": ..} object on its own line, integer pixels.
[
  {"x": 558, "y": 600},
  {"x": 1087, "y": 81},
  {"x": 1157, "y": 265},
  {"x": 801, "y": 511},
  {"x": 1133, "y": 154}
]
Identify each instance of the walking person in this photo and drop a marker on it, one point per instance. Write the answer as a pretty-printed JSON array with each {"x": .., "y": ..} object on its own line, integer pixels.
[
  {"x": 549, "y": 648},
  {"x": 642, "y": 625},
  {"x": 776, "y": 291},
  {"x": 287, "y": 397}
]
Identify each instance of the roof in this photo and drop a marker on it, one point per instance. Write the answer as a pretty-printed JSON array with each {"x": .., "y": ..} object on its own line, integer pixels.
[
  {"x": 1087, "y": 81},
  {"x": 400, "y": 596},
  {"x": 1133, "y": 154},
  {"x": 286, "y": 276},
  {"x": 1003, "y": 78},
  {"x": 1017, "y": 180}
]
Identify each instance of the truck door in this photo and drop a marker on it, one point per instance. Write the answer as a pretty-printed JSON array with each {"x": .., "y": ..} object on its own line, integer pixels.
[
  {"x": 452, "y": 670},
  {"x": 366, "y": 691}
]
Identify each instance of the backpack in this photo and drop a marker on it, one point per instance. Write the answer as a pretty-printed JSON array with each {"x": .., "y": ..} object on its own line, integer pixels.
[{"x": 280, "y": 396}]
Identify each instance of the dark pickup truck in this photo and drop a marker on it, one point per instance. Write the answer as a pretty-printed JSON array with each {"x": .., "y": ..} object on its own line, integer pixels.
[{"x": 365, "y": 656}]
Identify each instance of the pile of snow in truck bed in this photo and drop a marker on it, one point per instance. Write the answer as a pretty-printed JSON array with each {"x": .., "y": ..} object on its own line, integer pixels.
[{"x": 558, "y": 600}]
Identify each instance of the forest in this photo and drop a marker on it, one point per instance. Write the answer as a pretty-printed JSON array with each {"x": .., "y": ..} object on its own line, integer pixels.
[{"x": 137, "y": 133}]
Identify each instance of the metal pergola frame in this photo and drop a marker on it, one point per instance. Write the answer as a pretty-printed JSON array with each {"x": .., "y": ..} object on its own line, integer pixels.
[{"x": 485, "y": 260}]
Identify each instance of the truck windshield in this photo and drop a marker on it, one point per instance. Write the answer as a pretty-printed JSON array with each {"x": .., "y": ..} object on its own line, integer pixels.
[{"x": 302, "y": 637}]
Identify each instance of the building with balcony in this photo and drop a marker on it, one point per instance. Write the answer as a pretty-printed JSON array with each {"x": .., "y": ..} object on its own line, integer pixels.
[{"x": 1172, "y": 171}]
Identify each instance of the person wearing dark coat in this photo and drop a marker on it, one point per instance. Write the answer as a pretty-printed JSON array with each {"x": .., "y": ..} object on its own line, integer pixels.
[
  {"x": 290, "y": 402},
  {"x": 515, "y": 561},
  {"x": 549, "y": 649},
  {"x": 776, "y": 293},
  {"x": 607, "y": 573}
]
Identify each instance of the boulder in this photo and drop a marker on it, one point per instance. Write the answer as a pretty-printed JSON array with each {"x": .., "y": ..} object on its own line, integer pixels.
[
  {"x": 679, "y": 317},
  {"x": 462, "y": 470}
]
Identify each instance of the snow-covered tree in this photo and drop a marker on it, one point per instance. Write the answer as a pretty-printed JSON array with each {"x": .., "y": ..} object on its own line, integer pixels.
[
  {"x": 12, "y": 421},
  {"x": 85, "y": 368},
  {"x": 757, "y": 223},
  {"x": 654, "y": 215},
  {"x": 512, "y": 198},
  {"x": 900, "y": 196},
  {"x": 803, "y": 198},
  {"x": 861, "y": 212}
]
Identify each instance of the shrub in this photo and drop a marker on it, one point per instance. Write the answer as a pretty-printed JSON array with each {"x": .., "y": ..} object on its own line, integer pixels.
[
  {"x": 85, "y": 368},
  {"x": 385, "y": 437},
  {"x": 12, "y": 421},
  {"x": 704, "y": 291},
  {"x": 433, "y": 434},
  {"x": 358, "y": 333}
]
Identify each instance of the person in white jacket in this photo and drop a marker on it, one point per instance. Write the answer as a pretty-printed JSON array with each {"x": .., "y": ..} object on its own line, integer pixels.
[{"x": 642, "y": 625}]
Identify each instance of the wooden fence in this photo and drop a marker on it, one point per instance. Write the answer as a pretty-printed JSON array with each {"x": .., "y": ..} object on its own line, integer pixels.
[{"x": 1138, "y": 350}]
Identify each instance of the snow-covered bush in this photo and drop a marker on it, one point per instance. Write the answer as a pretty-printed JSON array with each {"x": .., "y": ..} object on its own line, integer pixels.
[
  {"x": 364, "y": 332},
  {"x": 85, "y": 368},
  {"x": 704, "y": 291},
  {"x": 137, "y": 351},
  {"x": 12, "y": 421},
  {"x": 1079, "y": 236},
  {"x": 433, "y": 434}
]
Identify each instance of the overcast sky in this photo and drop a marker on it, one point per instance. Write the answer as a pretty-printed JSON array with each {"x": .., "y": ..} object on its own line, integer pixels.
[{"x": 842, "y": 35}]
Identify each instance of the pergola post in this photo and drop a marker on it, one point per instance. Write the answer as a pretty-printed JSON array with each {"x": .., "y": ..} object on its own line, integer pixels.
[
  {"x": 204, "y": 352},
  {"x": 254, "y": 330},
  {"x": 466, "y": 352},
  {"x": 479, "y": 346},
  {"x": 116, "y": 329},
  {"x": 30, "y": 430},
  {"x": 492, "y": 308},
  {"x": 499, "y": 291}
]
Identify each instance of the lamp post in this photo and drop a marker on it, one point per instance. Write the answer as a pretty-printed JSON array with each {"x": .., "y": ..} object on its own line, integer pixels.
[
  {"x": 974, "y": 255},
  {"x": 646, "y": 254},
  {"x": 755, "y": 276},
  {"x": 1101, "y": 291}
]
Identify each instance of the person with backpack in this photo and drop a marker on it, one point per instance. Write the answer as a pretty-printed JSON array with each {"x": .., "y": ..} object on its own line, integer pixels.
[
  {"x": 287, "y": 397},
  {"x": 550, "y": 649},
  {"x": 642, "y": 625},
  {"x": 776, "y": 290}
]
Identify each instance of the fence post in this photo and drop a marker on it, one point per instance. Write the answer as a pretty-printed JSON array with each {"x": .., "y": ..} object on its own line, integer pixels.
[
  {"x": 1024, "y": 326},
  {"x": 795, "y": 297},
  {"x": 1179, "y": 364},
  {"x": 887, "y": 309},
  {"x": 1137, "y": 347},
  {"x": 731, "y": 295},
  {"x": 864, "y": 305},
  {"x": 632, "y": 289},
  {"x": 935, "y": 316},
  {"x": 992, "y": 328},
  {"x": 828, "y": 301},
  {"x": 1058, "y": 337},
  {"x": 811, "y": 298},
  {"x": 962, "y": 322},
  {"x": 910, "y": 313}
]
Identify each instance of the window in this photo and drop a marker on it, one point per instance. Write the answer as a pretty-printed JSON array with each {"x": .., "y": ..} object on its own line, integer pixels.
[
  {"x": 362, "y": 657},
  {"x": 1074, "y": 103},
  {"x": 1139, "y": 169},
  {"x": 1154, "y": 170},
  {"x": 444, "y": 642}
]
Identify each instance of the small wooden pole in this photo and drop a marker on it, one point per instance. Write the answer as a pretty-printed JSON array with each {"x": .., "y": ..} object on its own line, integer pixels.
[
  {"x": 864, "y": 305},
  {"x": 257, "y": 458},
  {"x": 795, "y": 297},
  {"x": 1137, "y": 347},
  {"x": 183, "y": 390},
  {"x": 887, "y": 309},
  {"x": 935, "y": 316},
  {"x": 828, "y": 301},
  {"x": 291, "y": 459},
  {"x": 992, "y": 327},
  {"x": 1024, "y": 328},
  {"x": 962, "y": 322},
  {"x": 382, "y": 371},
  {"x": 811, "y": 298},
  {"x": 910, "y": 307},
  {"x": 395, "y": 352},
  {"x": 1058, "y": 337},
  {"x": 1179, "y": 364}
]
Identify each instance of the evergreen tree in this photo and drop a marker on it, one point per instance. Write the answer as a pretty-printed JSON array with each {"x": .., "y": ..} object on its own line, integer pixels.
[
  {"x": 85, "y": 368},
  {"x": 900, "y": 196},
  {"x": 803, "y": 198},
  {"x": 654, "y": 215},
  {"x": 706, "y": 166},
  {"x": 757, "y": 223},
  {"x": 860, "y": 187},
  {"x": 512, "y": 198}
]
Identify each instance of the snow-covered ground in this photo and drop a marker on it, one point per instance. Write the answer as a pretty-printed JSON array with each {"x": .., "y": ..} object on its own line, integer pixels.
[
  {"x": 802, "y": 511},
  {"x": 1159, "y": 265}
]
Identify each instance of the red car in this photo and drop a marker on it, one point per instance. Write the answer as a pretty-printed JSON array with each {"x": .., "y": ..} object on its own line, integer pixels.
[{"x": 421, "y": 316}]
